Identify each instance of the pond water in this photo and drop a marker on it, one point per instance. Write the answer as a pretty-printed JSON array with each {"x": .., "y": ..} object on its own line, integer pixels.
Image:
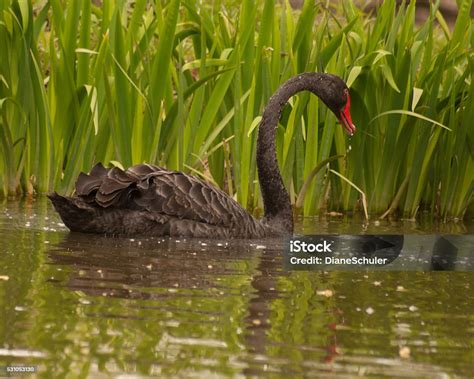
[{"x": 88, "y": 305}]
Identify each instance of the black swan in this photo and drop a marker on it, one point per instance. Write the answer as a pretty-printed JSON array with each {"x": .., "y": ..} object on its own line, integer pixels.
[{"x": 154, "y": 201}]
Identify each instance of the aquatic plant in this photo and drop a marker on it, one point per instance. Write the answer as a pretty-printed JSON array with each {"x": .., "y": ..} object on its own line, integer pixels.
[{"x": 183, "y": 83}]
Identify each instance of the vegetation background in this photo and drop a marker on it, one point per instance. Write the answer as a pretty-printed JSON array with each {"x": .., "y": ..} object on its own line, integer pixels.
[{"x": 183, "y": 84}]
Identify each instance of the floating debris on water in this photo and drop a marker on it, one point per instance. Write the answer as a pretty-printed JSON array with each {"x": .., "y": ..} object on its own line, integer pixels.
[
  {"x": 404, "y": 352},
  {"x": 326, "y": 293}
]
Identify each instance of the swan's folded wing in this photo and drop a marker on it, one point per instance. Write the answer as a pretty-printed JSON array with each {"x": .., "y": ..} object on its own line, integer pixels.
[
  {"x": 186, "y": 197},
  {"x": 160, "y": 191}
]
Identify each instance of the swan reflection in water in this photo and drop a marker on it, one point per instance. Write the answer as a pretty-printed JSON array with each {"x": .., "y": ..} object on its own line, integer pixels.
[
  {"x": 151, "y": 262},
  {"x": 160, "y": 269}
]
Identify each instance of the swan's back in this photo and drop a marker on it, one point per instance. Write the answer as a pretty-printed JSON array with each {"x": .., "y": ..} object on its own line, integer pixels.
[{"x": 150, "y": 200}]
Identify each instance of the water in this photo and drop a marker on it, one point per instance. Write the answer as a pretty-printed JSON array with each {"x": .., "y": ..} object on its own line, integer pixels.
[{"x": 99, "y": 307}]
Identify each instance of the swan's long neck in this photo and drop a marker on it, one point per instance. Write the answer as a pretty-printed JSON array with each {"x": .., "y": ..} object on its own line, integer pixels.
[{"x": 278, "y": 212}]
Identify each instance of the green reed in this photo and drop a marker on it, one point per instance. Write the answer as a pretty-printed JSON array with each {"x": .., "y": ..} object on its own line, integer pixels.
[{"x": 183, "y": 85}]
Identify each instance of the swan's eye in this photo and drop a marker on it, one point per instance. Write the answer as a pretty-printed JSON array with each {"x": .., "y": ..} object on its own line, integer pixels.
[{"x": 347, "y": 102}]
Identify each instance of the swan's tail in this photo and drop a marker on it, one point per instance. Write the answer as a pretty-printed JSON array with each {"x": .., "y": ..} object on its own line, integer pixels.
[{"x": 75, "y": 214}]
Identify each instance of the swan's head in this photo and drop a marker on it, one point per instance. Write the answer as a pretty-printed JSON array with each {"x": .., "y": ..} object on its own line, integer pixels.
[{"x": 339, "y": 102}]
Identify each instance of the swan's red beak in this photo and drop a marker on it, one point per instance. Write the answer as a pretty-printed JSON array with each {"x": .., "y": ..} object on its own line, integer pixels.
[{"x": 345, "y": 117}]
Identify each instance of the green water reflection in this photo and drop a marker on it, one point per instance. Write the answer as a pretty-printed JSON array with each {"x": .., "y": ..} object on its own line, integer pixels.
[{"x": 80, "y": 305}]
